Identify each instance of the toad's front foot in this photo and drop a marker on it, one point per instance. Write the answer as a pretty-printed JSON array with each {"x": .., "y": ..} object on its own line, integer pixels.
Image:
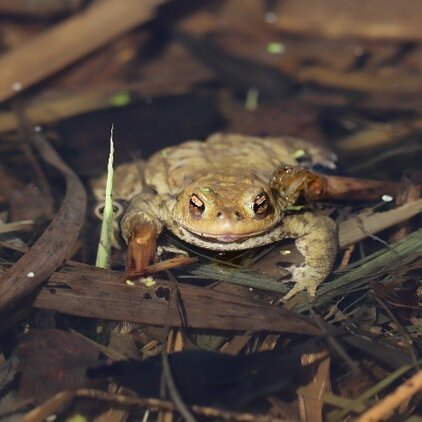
[
  {"x": 141, "y": 228},
  {"x": 142, "y": 246},
  {"x": 291, "y": 182},
  {"x": 316, "y": 240}
]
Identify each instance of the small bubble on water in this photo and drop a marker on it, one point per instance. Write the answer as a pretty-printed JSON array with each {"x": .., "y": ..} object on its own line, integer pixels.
[
  {"x": 271, "y": 17},
  {"x": 17, "y": 86},
  {"x": 387, "y": 198}
]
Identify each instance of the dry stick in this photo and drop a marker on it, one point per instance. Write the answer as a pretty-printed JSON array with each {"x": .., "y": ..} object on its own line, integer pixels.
[
  {"x": 69, "y": 41},
  {"x": 54, "y": 245},
  {"x": 391, "y": 402}
]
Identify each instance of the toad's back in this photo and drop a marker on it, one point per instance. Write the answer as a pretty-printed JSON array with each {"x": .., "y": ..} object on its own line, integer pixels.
[{"x": 169, "y": 170}]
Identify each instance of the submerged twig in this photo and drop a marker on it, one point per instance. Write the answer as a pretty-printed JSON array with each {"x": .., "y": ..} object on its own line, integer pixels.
[
  {"x": 387, "y": 405},
  {"x": 16, "y": 226},
  {"x": 61, "y": 400},
  {"x": 339, "y": 415}
]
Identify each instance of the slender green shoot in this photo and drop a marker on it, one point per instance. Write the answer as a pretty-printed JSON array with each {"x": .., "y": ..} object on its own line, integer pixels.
[{"x": 104, "y": 246}]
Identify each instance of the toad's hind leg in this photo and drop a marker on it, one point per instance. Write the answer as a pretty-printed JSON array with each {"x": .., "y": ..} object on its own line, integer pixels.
[
  {"x": 316, "y": 240},
  {"x": 141, "y": 226}
]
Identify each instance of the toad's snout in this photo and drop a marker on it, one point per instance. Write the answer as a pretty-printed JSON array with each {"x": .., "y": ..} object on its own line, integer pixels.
[{"x": 229, "y": 214}]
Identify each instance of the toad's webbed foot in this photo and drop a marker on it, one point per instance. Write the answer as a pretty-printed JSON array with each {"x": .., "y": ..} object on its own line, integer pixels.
[
  {"x": 141, "y": 227},
  {"x": 316, "y": 240}
]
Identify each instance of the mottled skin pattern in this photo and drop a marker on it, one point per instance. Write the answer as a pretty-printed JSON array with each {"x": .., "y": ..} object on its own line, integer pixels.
[{"x": 216, "y": 195}]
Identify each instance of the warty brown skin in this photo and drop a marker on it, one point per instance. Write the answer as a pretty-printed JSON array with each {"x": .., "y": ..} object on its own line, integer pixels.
[{"x": 207, "y": 194}]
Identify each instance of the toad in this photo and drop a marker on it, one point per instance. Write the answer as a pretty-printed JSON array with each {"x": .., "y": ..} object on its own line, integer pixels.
[{"x": 231, "y": 193}]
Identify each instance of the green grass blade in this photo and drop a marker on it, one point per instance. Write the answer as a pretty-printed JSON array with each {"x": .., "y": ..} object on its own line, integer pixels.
[{"x": 104, "y": 246}]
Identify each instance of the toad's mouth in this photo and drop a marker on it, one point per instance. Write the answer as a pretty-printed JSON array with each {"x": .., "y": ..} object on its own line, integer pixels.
[{"x": 224, "y": 237}]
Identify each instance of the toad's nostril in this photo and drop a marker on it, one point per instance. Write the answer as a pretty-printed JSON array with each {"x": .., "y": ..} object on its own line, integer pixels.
[{"x": 229, "y": 214}]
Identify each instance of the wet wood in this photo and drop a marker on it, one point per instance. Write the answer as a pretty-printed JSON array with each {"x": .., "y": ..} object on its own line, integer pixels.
[
  {"x": 359, "y": 227},
  {"x": 376, "y": 19},
  {"x": 39, "y": 8},
  {"x": 352, "y": 189},
  {"x": 96, "y": 293},
  {"x": 378, "y": 135},
  {"x": 70, "y": 41}
]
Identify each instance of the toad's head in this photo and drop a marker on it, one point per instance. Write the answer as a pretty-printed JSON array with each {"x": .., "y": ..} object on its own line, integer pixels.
[{"x": 226, "y": 209}]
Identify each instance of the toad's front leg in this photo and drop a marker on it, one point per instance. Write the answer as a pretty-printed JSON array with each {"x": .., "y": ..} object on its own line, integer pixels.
[
  {"x": 141, "y": 226},
  {"x": 293, "y": 182},
  {"x": 316, "y": 240}
]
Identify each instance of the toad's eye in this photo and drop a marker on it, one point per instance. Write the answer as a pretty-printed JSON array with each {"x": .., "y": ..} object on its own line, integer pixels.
[
  {"x": 196, "y": 206},
  {"x": 261, "y": 204}
]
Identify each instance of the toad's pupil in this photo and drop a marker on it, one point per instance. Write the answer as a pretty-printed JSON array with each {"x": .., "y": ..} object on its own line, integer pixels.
[
  {"x": 260, "y": 204},
  {"x": 261, "y": 200},
  {"x": 196, "y": 201},
  {"x": 196, "y": 205}
]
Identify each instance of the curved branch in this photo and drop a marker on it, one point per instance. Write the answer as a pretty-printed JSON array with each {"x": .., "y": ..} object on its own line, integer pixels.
[{"x": 54, "y": 245}]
